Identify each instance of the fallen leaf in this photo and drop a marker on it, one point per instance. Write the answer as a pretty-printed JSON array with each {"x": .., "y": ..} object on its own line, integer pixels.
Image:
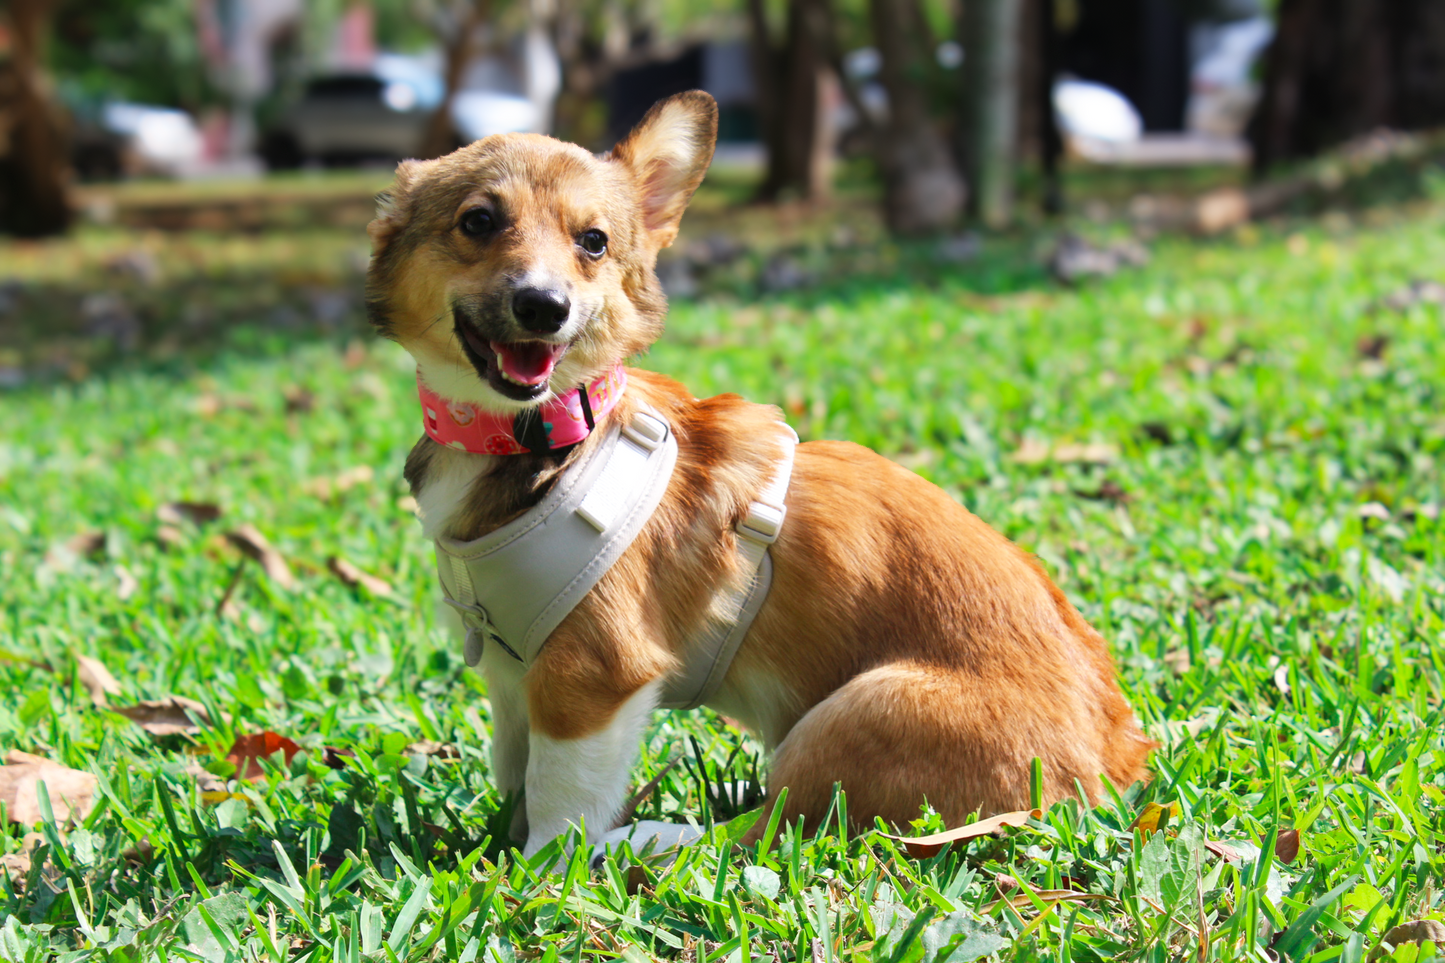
[
  {"x": 170, "y": 536},
  {"x": 170, "y": 716},
  {"x": 247, "y": 751},
  {"x": 87, "y": 544},
  {"x": 429, "y": 747},
  {"x": 1414, "y": 931},
  {"x": 196, "y": 513},
  {"x": 299, "y": 400},
  {"x": 1224, "y": 851},
  {"x": 126, "y": 584},
  {"x": 1286, "y": 846},
  {"x": 256, "y": 547},
  {"x": 206, "y": 781},
  {"x": 97, "y": 680},
  {"x": 17, "y": 865},
  {"x": 921, "y": 847},
  {"x": 1031, "y": 452},
  {"x": 64, "y": 556},
  {"x": 71, "y": 791},
  {"x": 351, "y": 576},
  {"x": 1034, "y": 452},
  {"x": 1373, "y": 510},
  {"x": 1108, "y": 491},
  {"x": 1155, "y": 817},
  {"x": 1023, "y": 900},
  {"x": 1372, "y": 346},
  {"x": 214, "y": 797}
]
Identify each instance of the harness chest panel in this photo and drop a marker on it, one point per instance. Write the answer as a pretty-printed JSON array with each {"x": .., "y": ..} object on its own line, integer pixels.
[{"x": 515, "y": 585}]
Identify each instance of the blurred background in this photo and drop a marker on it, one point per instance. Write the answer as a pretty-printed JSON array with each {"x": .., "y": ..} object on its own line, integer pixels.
[{"x": 154, "y": 151}]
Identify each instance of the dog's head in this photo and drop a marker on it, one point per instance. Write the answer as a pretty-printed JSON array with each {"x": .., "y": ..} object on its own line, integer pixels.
[{"x": 522, "y": 264}]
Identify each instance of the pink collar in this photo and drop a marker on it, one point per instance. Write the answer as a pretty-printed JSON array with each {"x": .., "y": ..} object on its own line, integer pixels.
[{"x": 563, "y": 421}]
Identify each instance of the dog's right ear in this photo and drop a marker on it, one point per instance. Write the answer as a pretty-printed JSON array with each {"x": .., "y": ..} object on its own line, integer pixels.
[
  {"x": 669, "y": 152},
  {"x": 393, "y": 207}
]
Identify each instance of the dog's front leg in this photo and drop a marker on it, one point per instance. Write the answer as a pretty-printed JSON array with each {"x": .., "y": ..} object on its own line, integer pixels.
[
  {"x": 577, "y": 767},
  {"x": 505, "y": 691}
]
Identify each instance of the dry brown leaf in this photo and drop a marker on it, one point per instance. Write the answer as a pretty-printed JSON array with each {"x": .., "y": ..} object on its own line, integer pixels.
[
  {"x": 126, "y": 584},
  {"x": 16, "y": 865},
  {"x": 63, "y": 557},
  {"x": 170, "y": 536},
  {"x": 196, "y": 513},
  {"x": 1034, "y": 452},
  {"x": 1417, "y": 932},
  {"x": 256, "y": 547},
  {"x": 206, "y": 781},
  {"x": 97, "y": 680},
  {"x": 428, "y": 747},
  {"x": 168, "y": 716},
  {"x": 921, "y": 847},
  {"x": 71, "y": 791},
  {"x": 1031, "y": 452},
  {"x": 1023, "y": 901},
  {"x": 1224, "y": 851},
  {"x": 299, "y": 400},
  {"x": 352, "y": 576},
  {"x": 87, "y": 544},
  {"x": 1286, "y": 846}
]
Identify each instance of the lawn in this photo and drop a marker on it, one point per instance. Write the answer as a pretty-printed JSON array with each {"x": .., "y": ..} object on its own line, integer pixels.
[{"x": 1229, "y": 459}]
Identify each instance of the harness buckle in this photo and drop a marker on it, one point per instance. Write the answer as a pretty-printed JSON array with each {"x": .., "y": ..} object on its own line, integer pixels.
[
  {"x": 763, "y": 523},
  {"x": 646, "y": 431},
  {"x": 479, "y": 629}
]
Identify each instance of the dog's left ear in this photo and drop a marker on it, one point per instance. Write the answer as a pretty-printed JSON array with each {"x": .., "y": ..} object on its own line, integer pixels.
[{"x": 669, "y": 152}]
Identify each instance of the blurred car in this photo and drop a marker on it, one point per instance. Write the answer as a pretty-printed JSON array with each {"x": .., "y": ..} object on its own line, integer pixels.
[{"x": 382, "y": 115}]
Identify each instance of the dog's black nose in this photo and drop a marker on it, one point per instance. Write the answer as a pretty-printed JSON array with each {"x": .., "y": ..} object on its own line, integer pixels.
[{"x": 541, "y": 310}]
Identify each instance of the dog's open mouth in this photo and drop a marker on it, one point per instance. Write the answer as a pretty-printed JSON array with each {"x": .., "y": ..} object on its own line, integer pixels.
[{"x": 514, "y": 369}]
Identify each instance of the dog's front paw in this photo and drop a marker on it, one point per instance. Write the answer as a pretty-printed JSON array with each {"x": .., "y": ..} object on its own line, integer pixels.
[{"x": 659, "y": 836}]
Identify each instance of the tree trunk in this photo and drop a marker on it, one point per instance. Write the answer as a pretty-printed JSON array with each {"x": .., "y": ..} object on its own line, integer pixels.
[
  {"x": 991, "y": 44},
  {"x": 440, "y": 137},
  {"x": 1342, "y": 68},
  {"x": 34, "y": 153},
  {"x": 922, "y": 190},
  {"x": 792, "y": 81}
]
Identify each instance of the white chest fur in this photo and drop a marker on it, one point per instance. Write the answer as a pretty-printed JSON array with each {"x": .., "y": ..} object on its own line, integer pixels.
[{"x": 449, "y": 481}]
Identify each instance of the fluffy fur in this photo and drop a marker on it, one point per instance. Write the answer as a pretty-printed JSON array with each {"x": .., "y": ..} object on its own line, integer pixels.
[{"x": 906, "y": 650}]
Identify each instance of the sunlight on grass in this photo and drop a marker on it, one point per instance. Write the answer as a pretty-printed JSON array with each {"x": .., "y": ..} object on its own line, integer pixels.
[{"x": 1230, "y": 460}]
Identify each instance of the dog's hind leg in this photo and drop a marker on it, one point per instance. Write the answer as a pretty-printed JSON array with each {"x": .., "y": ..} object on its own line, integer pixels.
[{"x": 902, "y": 734}]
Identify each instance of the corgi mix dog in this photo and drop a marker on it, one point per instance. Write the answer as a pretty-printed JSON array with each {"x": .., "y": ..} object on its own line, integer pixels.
[{"x": 905, "y": 650}]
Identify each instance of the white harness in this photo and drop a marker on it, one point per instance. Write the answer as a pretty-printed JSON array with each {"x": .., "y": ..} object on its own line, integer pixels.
[{"x": 515, "y": 585}]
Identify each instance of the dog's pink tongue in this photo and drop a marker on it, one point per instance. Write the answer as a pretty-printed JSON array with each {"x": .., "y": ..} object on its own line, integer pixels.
[{"x": 528, "y": 362}]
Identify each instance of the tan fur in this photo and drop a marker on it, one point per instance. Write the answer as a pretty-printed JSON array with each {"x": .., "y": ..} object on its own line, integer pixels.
[{"x": 906, "y": 650}]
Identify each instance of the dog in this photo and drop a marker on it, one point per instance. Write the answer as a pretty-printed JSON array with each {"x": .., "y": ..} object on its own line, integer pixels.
[{"x": 904, "y": 650}]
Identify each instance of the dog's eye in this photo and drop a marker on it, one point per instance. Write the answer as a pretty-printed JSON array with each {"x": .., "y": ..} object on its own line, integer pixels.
[
  {"x": 477, "y": 221},
  {"x": 594, "y": 242}
]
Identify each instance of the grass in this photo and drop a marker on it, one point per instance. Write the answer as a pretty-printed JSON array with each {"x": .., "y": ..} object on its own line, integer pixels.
[{"x": 1230, "y": 460}]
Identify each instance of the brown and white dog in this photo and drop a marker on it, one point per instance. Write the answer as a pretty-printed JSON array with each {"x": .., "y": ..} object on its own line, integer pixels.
[{"x": 906, "y": 650}]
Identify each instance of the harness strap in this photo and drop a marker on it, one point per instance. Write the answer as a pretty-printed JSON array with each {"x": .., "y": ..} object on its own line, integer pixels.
[
  {"x": 711, "y": 651},
  {"x": 515, "y": 585}
]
